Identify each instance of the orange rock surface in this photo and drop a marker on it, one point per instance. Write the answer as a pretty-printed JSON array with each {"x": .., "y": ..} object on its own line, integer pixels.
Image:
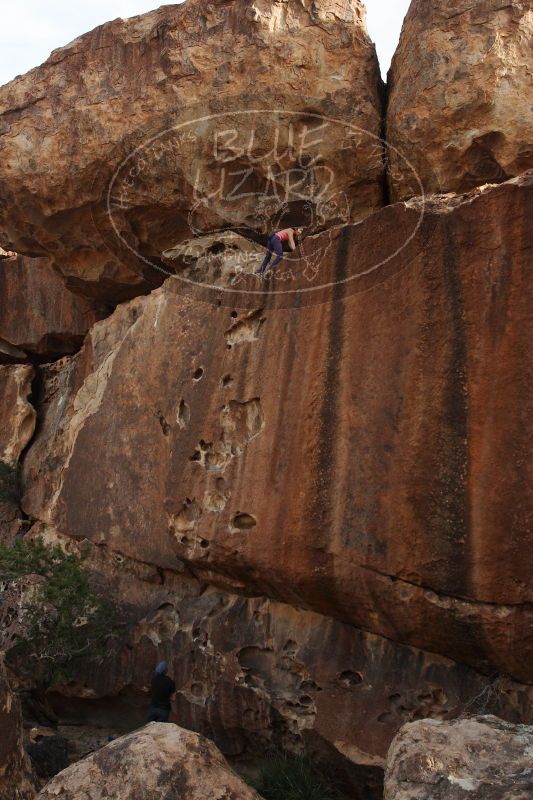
[
  {"x": 38, "y": 315},
  {"x": 362, "y": 457},
  {"x": 68, "y": 125}
]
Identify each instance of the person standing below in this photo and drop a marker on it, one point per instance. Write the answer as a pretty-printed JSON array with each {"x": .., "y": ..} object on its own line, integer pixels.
[
  {"x": 275, "y": 245},
  {"x": 163, "y": 692}
]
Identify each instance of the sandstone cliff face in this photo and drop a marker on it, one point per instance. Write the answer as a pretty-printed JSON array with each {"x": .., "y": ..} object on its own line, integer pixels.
[
  {"x": 481, "y": 758},
  {"x": 16, "y": 779},
  {"x": 460, "y": 85},
  {"x": 38, "y": 315},
  {"x": 360, "y": 458},
  {"x": 161, "y": 762},
  {"x": 308, "y": 494},
  {"x": 254, "y": 674},
  {"x": 17, "y": 415},
  {"x": 67, "y": 126}
]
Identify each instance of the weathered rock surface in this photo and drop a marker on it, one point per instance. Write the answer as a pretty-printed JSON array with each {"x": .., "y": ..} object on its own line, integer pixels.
[
  {"x": 253, "y": 674},
  {"x": 12, "y": 522},
  {"x": 161, "y": 762},
  {"x": 68, "y": 125},
  {"x": 38, "y": 315},
  {"x": 363, "y": 458},
  {"x": 10, "y": 354},
  {"x": 17, "y": 415},
  {"x": 482, "y": 758},
  {"x": 460, "y": 92},
  {"x": 16, "y": 779}
]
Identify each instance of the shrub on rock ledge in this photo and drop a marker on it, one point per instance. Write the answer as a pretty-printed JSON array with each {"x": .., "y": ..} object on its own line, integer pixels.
[{"x": 50, "y": 614}]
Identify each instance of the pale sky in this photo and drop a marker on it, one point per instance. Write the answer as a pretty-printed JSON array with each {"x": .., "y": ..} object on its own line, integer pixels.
[{"x": 33, "y": 28}]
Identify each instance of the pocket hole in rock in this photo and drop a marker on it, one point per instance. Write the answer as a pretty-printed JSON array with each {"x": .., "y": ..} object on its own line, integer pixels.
[
  {"x": 244, "y": 522},
  {"x": 310, "y": 686},
  {"x": 305, "y": 700},
  {"x": 198, "y": 374},
  {"x": 350, "y": 678},
  {"x": 290, "y": 647}
]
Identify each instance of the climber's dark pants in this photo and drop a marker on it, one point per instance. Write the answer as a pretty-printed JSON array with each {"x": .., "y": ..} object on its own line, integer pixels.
[
  {"x": 274, "y": 246},
  {"x": 156, "y": 714}
]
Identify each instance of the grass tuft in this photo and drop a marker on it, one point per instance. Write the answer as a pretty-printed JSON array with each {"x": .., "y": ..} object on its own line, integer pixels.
[{"x": 285, "y": 777}]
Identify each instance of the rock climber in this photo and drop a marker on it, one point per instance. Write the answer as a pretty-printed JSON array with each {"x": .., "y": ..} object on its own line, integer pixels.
[
  {"x": 163, "y": 692},
  {"x": 275, "y": 245}
]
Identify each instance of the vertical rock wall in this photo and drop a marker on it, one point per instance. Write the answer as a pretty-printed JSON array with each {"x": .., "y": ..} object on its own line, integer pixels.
[
  {"x": 39, "y": 317},
  {"x": 17, "y": 415},
  {"x": 16, "y": 779},
  {"x": 312, "y": 500}
]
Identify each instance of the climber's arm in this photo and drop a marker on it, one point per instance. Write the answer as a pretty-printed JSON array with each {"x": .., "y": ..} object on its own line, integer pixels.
[{"x": 292, "y": 244}]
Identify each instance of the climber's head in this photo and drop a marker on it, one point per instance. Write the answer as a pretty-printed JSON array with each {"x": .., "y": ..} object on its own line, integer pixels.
[
  {"x": 161, "y": 668},
  {"x": 299, "y": 231}
]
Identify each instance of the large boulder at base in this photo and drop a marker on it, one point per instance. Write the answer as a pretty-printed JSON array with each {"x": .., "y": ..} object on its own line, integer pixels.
[
  {"x": 38, "y": 315},
  {"x": 460, "y": 93},
  {"x": 160, "y": 762},
  {"x": 260, "y": 76},
  {"x": 342, "y": 456},
  {"x": 481, "y": 758},
  {"x": 17, "y": 415},
  {"x": 16, "y": 779}
]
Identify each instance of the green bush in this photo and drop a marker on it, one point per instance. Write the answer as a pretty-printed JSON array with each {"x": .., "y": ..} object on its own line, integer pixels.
[
  {"x": 10, "y": 484},
  {"x": 54, "y": 618},
  {"x": 285, "y": 777}
]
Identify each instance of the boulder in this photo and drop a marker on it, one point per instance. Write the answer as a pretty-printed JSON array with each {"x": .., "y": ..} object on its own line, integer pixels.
[
  {"x": 339, "y": 456},
  {"x": 191, "y": 118},
  {"x": 38, "y": 315},
  {"x": 459, "y": 87},
  {"x": 16, "y": 779},
  {"x": 479, "y": 758},
  {"x": 17, "y": 415},
  {"x": 160, "y": 761}
]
